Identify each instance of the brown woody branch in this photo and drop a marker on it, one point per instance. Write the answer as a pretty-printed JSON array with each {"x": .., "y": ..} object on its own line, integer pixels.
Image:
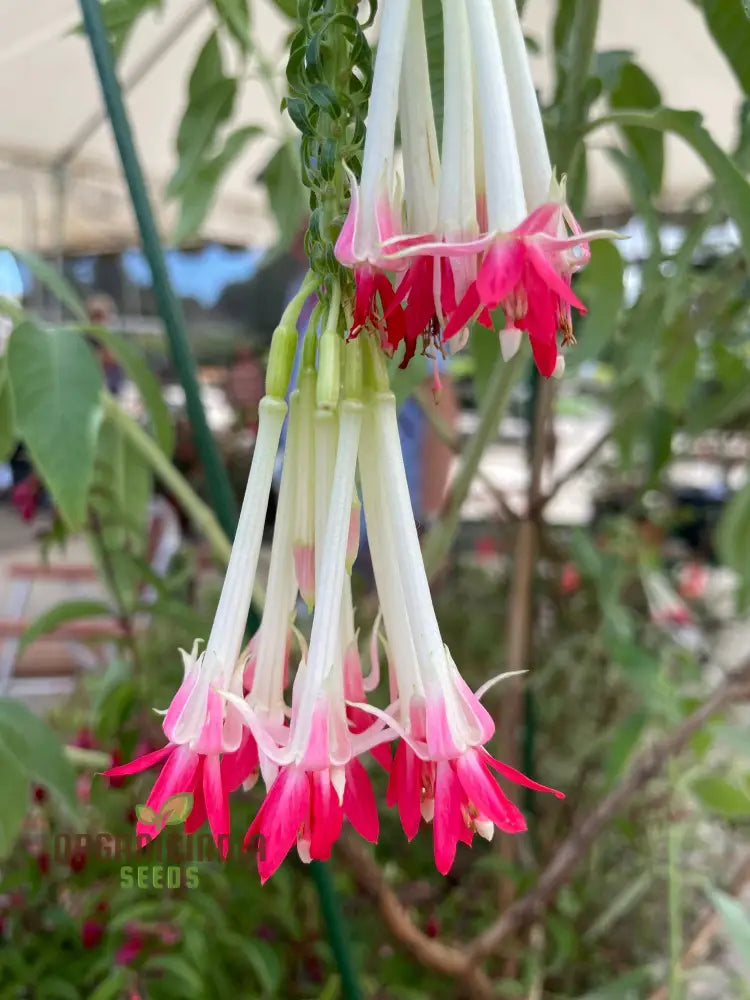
[
  {"x": 572, "y": 851},
  {"x": 445, "y": 959}
]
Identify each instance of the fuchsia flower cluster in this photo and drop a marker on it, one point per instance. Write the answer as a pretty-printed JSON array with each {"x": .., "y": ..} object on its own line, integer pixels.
[
  {"x": 483, "y": 226},
  {"x": 468, "y": 234}
]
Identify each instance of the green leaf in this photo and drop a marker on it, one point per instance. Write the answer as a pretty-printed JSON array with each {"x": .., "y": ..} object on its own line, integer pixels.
[
  {"x": 627, "y": 987},
  {"x": 37, "y": 751},
  {"x": 622, "y": 743},
  {"x": 729, "y": 23},
  {"x": 199, "y": 191},
  {"x": 287, "y": 7},
  {"x": 138, "y": 371},
  {"x": 733, "y": 534},
  {"x": 235, "y": 14},
  {"x": 736, "y": 922},
  {"x": 121, "y": 16},
  {"x": 485, "y": 351},
  {"x": 51, "y": 278},
  {"x": 183, "y": 978},
  {"x": 112, "y": 986},
  {"x": 433, "y": 30},
  {"x": 721, "y": 797},
  {"x": 264, "y": 961},
  {"x": 14, "y": 795},
  {"x": 285, "y": 192},
  {"x": 601, "y": 287},
  {"x": 635, "y": 89},
  {"x": 57, "y": 386},
  {"x": 211, "y": 97},
  {"x": 7, "y": 424},
  {"x": 65, "y": 611},
  {"x": 733, "y": 188}
]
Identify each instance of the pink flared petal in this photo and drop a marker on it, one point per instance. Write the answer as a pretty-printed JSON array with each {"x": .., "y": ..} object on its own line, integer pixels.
[
  {"x": 237, "y": 767},
  {"x": 405, "y": 788},
  {"x": 279, "y": 819},
  {"x": 359, "y": 802},
  {"x": 197, "y": 816},
  {"x": 447, "y": 818},
  {"x": 483, "y": 793},
  {"x": 555, "y": 282},
  {"x": 327, "y": 816},
  {"x": 140, "y": 763},
  {"x": 518, "y": 777},
  {"x": 217, "y": 803},
  {"x": 500, "y": 272},
  {"x": 177, "y": 775},
  {"x": 463, "y": 313}
]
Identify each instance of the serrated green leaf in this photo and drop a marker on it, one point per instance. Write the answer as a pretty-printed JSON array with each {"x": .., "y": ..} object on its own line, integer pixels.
[
  {"x": 721, "y": 797},
  {"x": 65, "y": 611},
  {"x": 57, "y": 387},
  {"x": 37, "y": 751}
]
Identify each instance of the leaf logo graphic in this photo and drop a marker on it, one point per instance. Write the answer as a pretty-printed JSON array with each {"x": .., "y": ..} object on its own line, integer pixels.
[{"x": 175, "y": 810}]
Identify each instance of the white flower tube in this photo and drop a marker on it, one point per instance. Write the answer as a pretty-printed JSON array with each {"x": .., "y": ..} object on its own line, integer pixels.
[
  {"x": 506, "y": 205},
  {"x": 418, "y": 135},
  {"x": 527, "y": 118},
  {"x": 377, "y": 165},
  {"x": 225, "y": 640}
]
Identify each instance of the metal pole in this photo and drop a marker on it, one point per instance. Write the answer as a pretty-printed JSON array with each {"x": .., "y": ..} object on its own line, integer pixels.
[
  {"x": 169, "y": 307},
  {"x": 174, "y": 323}
]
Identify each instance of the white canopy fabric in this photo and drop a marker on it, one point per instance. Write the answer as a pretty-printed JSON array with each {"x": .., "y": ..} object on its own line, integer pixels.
[{"x": 60, "y": 180}]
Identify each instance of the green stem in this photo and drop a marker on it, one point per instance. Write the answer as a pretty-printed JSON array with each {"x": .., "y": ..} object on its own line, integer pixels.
[
  {"x": 674, "y": 844},
  {"x": 567, "y": 145},
  {"x": 169, "y": 307},
  {"x": 199, "y": 513},
  {"x": 503, "y": 378}
]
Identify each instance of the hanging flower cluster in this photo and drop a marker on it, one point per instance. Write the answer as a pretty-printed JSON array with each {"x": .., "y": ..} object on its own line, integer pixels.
[
  {"x": 230, "y": 721},
  {"x": 475, "y": 232},
  {"x": 485, "y": 225}
]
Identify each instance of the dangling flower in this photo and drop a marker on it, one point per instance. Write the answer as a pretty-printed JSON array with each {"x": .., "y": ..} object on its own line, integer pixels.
[
  {"x": 440, "y": 771},
  {"x": 319, "y": 781},
  {"x": 206, "y": 743}
]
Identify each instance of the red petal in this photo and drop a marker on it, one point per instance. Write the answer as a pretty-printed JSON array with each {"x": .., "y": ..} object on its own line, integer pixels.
[
  {"x": 360, "y": 807},
  {"x": 140, "y": 763}
]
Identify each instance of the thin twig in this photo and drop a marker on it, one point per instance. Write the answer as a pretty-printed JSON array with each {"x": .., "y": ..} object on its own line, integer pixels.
[
  {"x": 573, "y": 850},
  {"x": 446, "y": 959},
  {"x": 574, "y": 470}
]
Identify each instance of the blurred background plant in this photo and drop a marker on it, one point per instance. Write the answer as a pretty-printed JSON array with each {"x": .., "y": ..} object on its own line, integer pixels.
[{"x": 632, "y": 624}]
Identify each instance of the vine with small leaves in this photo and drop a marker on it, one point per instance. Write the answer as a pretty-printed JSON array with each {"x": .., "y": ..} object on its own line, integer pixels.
[{"x": 329, "y": 74}]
